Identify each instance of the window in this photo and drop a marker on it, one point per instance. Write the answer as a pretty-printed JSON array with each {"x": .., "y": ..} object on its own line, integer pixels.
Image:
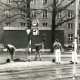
[
  {"x": 44, "y": 2},
  {"x": 70, "y": 37},
  {"x": 23, "y": 0},
  {"x": 23, "y": 24},
  {"x": 8, "y": 1},
  {"x": 23, "y": 14},
  {"x": 45, "y": 14},
  {"x": 69, "y": 1},
  {"x": 58, "y": 1},
  {"x": 71, "y": 5},
  {"x": 70, "y": 14},
  {"x": 45, "y": 24},
  {"x": 33, "y": 14},
  {"x": 33, "y": 1},
  {"x": 8, "y": 24},
  {"x": 59, "y": 15},
  {"x": 70, "y": 25},
  {"x": 7, "y": 13}
]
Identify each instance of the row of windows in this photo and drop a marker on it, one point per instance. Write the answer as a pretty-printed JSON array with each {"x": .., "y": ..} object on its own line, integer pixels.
[
  {"x": 69, "y": 15},
  {"x": 24, "y": 24},
  {"x": 32, "y": 2},
  {"x": 33, "y": 14},
  {"x": 70, "y": 37},
  {"x": 23, "y": 14},
  {"x": 43, "y": 1},
  {"x": 70, "y": 25}
]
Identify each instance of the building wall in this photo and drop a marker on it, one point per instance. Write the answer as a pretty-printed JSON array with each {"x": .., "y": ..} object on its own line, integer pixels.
[
  {"x": 19, "y": 38},
  {"x": 48, "y": 20}
]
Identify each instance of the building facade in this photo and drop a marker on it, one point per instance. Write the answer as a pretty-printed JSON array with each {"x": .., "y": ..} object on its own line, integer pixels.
[{"x": 15, "y": 28}]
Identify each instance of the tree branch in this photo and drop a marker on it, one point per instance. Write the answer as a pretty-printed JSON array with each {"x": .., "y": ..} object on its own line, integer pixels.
[
  {"x": 63, "y": 8},
  {"x": 64, "y": 21}
]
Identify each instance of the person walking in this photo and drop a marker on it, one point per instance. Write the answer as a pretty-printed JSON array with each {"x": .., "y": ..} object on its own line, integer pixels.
[
  {"x": 11, "y": 50},
  {"x": 57, "y": 50},
  {"x": 37, "y": 47},
  {"x": 28, "y": 53}
]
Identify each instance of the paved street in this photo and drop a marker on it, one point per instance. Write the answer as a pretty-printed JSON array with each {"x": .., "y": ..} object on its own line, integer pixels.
[
  {"x": 65, "y": 56},
  {"x": 38, "y": 70}
]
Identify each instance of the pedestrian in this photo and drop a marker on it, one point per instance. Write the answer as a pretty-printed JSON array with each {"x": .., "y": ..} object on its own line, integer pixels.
[
  {"x": 74, "y": 52},
  {"x": 37, "y": 52},
  {"x": 28, "y": 53},
  {"x": 11, "y": 50},
  {"x": 57, "y": 50}
]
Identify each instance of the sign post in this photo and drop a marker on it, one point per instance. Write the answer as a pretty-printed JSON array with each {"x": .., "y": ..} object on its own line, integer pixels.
[
  {"x": 35, "y": 24},
  {"x": 35, "y": 31},
  {"x": 28, "y": 31}
]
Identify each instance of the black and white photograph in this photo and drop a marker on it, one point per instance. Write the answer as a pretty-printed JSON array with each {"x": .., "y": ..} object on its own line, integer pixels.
[{"x": 39, "y": 39}]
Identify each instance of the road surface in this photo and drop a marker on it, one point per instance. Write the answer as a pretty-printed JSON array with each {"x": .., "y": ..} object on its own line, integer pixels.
[{"x": 50, "y": 72}]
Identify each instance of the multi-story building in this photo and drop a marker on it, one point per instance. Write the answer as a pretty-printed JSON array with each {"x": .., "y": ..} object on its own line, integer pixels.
[{"x": 15, "y": 28}]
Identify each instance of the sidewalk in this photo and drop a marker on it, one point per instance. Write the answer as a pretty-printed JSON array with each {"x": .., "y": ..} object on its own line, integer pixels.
[
  {"x": 15, "y": 66},
  {"x": 24, "y": 65},
  {"x": 46, "y": 61}
]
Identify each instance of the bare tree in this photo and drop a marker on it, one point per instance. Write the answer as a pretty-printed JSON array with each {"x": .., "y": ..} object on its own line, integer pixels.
[
  {"x": 23, "y": 6},
  {"x": 56, "y": 10},
  {"x": 16, "y": 9}
]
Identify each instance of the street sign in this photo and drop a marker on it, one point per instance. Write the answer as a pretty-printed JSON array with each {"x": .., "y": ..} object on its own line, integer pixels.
[
  {"x": 35, "y": 32},
  {"x": 35, "y": 22},
  {"x": 28, "y": 31}
]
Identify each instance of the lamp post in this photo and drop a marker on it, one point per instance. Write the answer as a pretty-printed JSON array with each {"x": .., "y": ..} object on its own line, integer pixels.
[{"x": 75, "y": 40}]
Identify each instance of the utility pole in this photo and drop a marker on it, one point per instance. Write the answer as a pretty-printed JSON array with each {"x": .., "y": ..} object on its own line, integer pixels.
[{"x": 75, "y": 40}]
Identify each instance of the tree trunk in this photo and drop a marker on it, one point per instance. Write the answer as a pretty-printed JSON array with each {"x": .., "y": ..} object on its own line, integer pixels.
[
  {"x": 53, "y": 24},
  {"x": 28, "y": 14}
]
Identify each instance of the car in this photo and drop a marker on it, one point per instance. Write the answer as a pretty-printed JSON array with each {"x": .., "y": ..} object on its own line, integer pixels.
[{"x": 68, "y": 48}]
